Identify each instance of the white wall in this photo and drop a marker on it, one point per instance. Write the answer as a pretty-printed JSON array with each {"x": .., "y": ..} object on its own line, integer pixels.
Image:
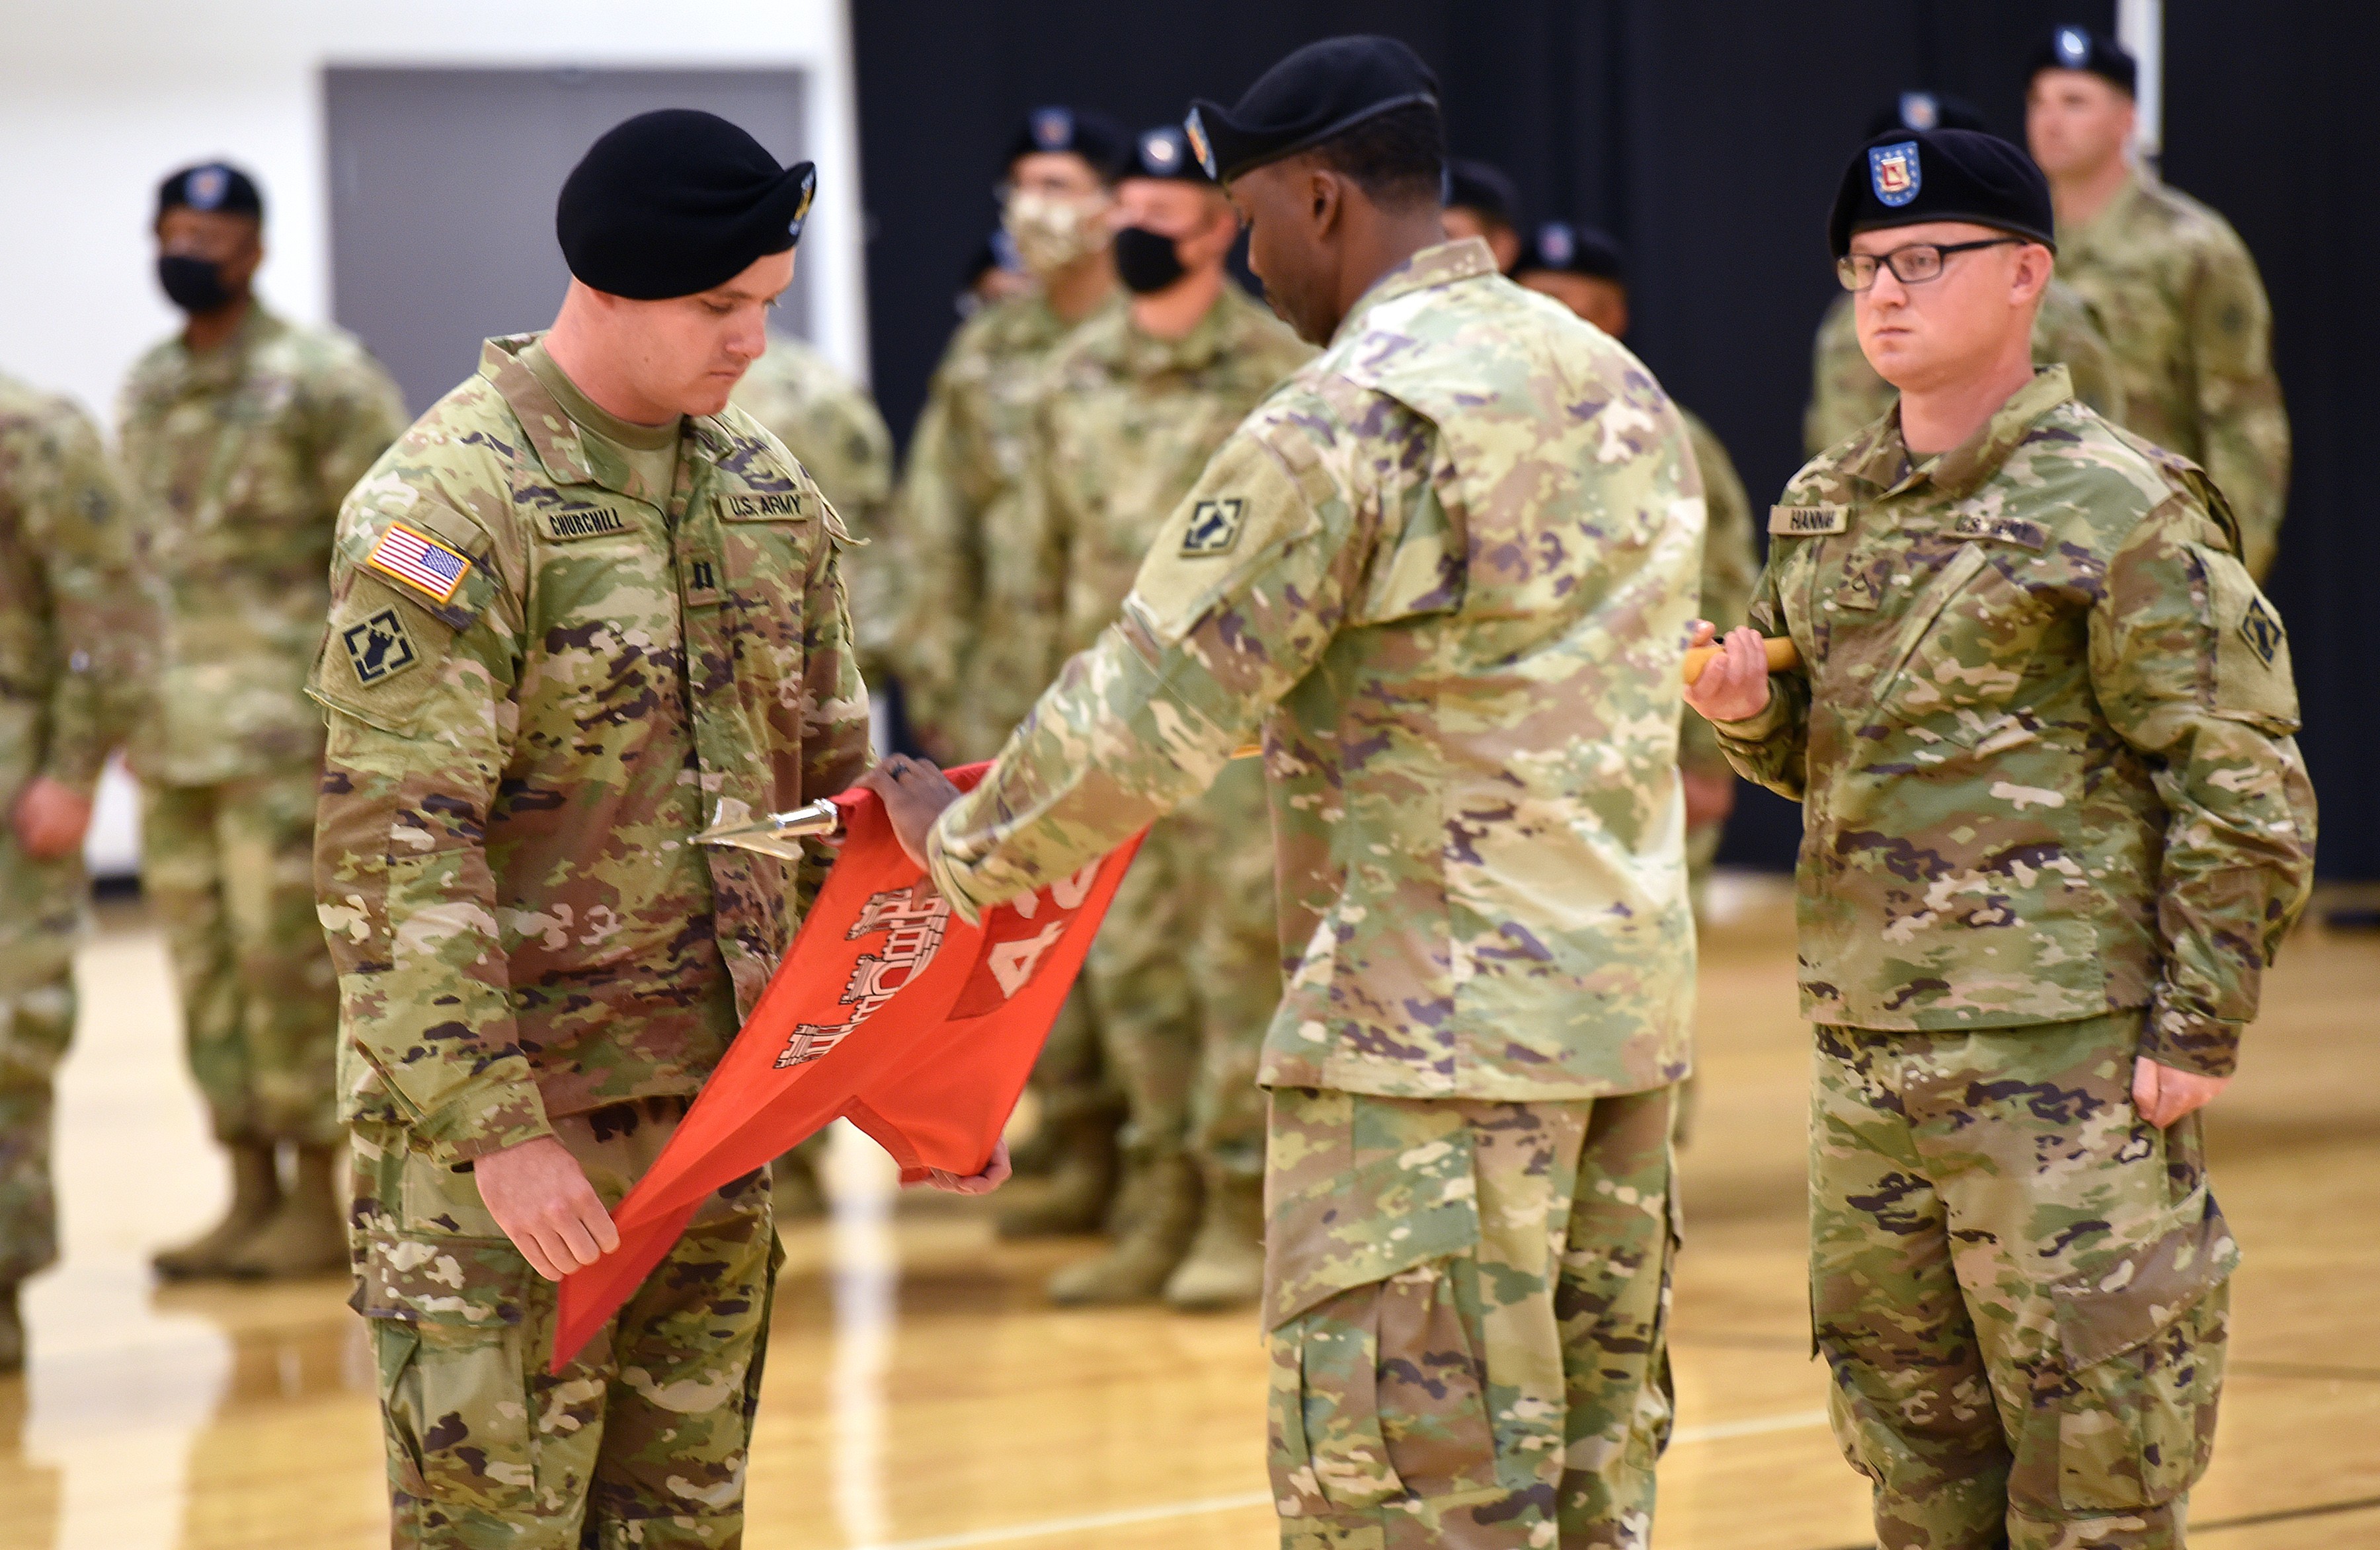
[{"x": 100, "y": 99}]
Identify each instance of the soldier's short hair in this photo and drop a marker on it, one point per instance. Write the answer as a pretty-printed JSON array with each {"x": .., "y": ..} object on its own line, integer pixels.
[{"x": 1397, "y": 157}]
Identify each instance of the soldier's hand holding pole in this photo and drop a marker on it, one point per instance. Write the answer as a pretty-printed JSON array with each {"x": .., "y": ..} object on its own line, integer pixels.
[{"x": 1733, "y": 685}]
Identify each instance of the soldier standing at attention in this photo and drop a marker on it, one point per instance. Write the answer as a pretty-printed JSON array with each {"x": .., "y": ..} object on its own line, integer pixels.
[
  {"x": 1847, "y": 396},
  {"x": 2171, "y": 280},
  {"x": 241, "y": 435},
  {"x": 977, "y": 631},
  {"x": 583, "y": 609},
  {"x": 1448, "y": 569},
  {"x": 1186, "y": 969},
  {"x": 76, "y": 625},
  {"x": 2054, "y": 827},
  {"x": 1585, "y": 270}
]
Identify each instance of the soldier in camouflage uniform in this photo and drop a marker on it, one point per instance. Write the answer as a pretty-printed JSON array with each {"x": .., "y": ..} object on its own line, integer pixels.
[
  {"x": 75, "y": 629},
  {"x": 1448, "y": 569},
  {"x": 1587, "y": 272},
  {"x": 1847, "y": 396},
  {"x": 1186, "y": 969},
  {"x": 2054, "y": 825},
  {"x": 979, "y": 626},
  {"x": 2172, "y": 283},
  {"x": 565, "y": 636},
  {"x": 832, "y": 427},
  {"x": 980, "y": 620},
  {"x": 240, "y": 437}
]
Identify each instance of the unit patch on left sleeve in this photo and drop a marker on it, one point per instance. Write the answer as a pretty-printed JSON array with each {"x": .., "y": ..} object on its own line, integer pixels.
[
  {"x": 2261, "y": 630},
  {"x": 1214, "y": 527},
  {"x": 420, "y": 560},
  {"x": 379, "y": 647}
]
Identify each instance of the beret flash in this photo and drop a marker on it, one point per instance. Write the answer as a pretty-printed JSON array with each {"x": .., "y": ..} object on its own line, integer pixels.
[
  {"x": 1317, "y": 94},
  {"x": 212, "y": 185},
  {"x": 1926, "y": 110},
  {"x": 1094, "y": 137},
  {"x": 2078, "y": 48},
  {"x": 1164, "y": 153},
  {"x": 1900, "y": 179},
  {"x": 673, "y": 203},
  {"x": 1567, "y": 250}
]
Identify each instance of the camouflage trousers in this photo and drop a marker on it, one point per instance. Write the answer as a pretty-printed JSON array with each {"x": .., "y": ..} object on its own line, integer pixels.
[
  {"x": 2019, "y": 1285},
  {"x": 1185, "y": 975},
  {"x": 41, "y": 920},
  {"x": 640, "y": 1440},
  {"x": 230, "y": 870},
  {"x": 1468, "y": 1303}
]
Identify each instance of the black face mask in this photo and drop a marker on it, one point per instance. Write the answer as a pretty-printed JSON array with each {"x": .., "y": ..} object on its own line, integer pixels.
[
  {"x": 193, "y": 284},
  {"x": 1147, "y": 262}
]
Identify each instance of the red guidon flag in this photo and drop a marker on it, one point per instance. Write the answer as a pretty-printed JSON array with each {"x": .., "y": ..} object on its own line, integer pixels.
[{"x": 890, "y": 1011}]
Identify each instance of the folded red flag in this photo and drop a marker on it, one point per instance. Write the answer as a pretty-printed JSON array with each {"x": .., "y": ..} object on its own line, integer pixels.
[{"x": 888, "y": 1010}]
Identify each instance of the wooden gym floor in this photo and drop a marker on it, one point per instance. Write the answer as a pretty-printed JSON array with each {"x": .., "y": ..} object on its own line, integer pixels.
[{"x": 921, "y": 1396}]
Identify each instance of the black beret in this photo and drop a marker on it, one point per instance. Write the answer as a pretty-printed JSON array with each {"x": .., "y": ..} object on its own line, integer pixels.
[
  {"x": 1317, "y": 94},
  {"x": 1094, "y": 137},
  {"x": 1926, "y": 110},
  {"x": 1164, "y": 152},
  {"x": 1482, "y": 185},
  {"x": 214, "y": 186},
  {"x": 2078, "y": 48},
  {"x": 674, "y": 202},
  {"x": 1900, "y": 179},
  {"x": 1568, "y": 249}
]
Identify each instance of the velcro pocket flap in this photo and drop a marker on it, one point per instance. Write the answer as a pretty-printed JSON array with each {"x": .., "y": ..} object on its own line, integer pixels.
[
  {"x": 433, "y": 1278},
  {"x": 2126, "y": 1303},
  {"x": 1389, "y": 1215}
]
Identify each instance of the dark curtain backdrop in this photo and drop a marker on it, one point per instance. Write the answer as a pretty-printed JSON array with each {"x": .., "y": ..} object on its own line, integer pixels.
[{"x": 1708, "y": 135}]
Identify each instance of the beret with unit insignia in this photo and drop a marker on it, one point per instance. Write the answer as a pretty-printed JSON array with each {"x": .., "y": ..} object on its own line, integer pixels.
[
  {"x": 1316, "y": 94},
  {"x": 1094, "y": 137},
  {"x": 1568, "y": 249},
  {"x": 1164, "y": 153},
  {"x": 211, "y": 186},
  {"x": 1904, "y": 178},
  {"x": 2078, "y": 48},
  {"x": 1926, "y": 110}
]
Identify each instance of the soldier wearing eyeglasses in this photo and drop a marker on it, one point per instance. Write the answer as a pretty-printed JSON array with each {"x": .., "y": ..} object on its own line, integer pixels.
[{"x": 2055, "y": 828}]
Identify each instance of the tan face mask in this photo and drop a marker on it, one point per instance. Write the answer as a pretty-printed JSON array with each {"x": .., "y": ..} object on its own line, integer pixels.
[{"x": 1052, "y": 231}]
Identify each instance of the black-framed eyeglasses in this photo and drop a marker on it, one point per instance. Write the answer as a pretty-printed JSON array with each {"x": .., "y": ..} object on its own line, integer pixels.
[{"x": 1912, "y": 265}]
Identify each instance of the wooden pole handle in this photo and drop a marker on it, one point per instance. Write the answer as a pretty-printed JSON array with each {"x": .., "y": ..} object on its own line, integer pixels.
[{"x": 1781, "y": 655}]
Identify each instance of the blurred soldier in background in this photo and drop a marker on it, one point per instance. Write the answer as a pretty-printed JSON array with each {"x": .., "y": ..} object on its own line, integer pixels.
[
  {"x": 2176, "y": 288},
  {"x": 2023, "y": 634},
  {"x": 977, "y": 636},
  {"x": 1470, "y": 725},
  {"x": 1186, "y": 970},
  {"x": 77, "y": 628},
  {"x": 1482, "y": 202},
  {"x": 832, "y": 427},
  {"x": 1847, "y": 396},
  {"x": 241, "y": 435},
  {"x": 1585, "y": 270},
  {"x": 979, "y": 630},
  {"x": 994, "y": 274}
]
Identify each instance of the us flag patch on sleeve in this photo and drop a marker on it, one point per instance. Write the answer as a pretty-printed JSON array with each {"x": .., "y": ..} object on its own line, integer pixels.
[{"x": 420, "y": 560}]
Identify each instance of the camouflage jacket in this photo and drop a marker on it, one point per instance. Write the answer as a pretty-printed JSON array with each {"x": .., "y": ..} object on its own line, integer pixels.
[
  {"x": 2041, "y": 739},
  {"x": 831, "y": 426},
  {"x": 77, "y": 625},
  {"x": 1847, "y": 396},
  {"x": 2192, "y": 334},
  {"x": 1730, "y": 564},
  {"x": 539, "y": 685},
  {"x": 1124, "y": 425},
  {"x": 238, "y": 459},
  {"x": 964, "y": 560},
  {"x": 1448, "y": 568}
]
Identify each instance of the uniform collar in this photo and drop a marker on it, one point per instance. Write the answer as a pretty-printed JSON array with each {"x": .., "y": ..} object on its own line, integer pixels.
[
  {"x": 227, "y": 362},
  {"x": 1884, "y": 461},
  {"x": 1142, "y": 354},
  {"x": 554, "y": 435},
  {"x": 2112, "y": 217},
  {"x": 1466, "y": 259}
]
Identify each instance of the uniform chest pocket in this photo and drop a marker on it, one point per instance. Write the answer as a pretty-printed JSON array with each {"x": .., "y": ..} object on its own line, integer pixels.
[{"x": 1962, "y": 651}]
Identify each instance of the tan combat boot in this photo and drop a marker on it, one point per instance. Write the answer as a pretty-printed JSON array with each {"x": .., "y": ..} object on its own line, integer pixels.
[
  {"x": 255, "y": 1195},
  {"x": 1135, "y": 1269},
  {"x": 1082, "y": 1182},
  {"x": 12, "y": 1329},
  {"x": 1225, "y": 1268},
  {"x": 306, "y": 1236}
]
